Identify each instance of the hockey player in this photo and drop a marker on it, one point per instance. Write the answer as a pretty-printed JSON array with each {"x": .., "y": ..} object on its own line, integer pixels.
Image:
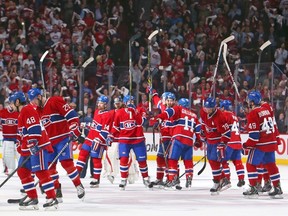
[
  {"x": 234, "y": 145},
  {"x": 61, "y": 122},
  {"x": 34, "y": 147},
  {"x": 127, "y": 128},
  {"x": 8, "y": 122},
  {"x": 263, "y": 173},
  {"x": 185, "y": 126},
  {"x": 216, "y": 133},
  {"x": 165, "y": 136},
  {"x": 262, "y": 144},
  {"x": 95, "y": 142}
]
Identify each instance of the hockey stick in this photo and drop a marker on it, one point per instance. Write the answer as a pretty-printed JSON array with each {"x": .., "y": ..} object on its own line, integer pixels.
[
  {"x": 81, "y": 77},
  {"x": 14, "y": 171},
  {"x": 132, "y": 39},
  {"x": 50, "y": 165},
  {"x": 205, "y": 160},
  {"x": 41, "y": 71},
  {"x": 226, "y": 40},
  {"x": 153, "y": 34},
  {"x": 204, "y": 157},
  {"x": 228, "y": 68},
  {"x": 262, "y": 47}
]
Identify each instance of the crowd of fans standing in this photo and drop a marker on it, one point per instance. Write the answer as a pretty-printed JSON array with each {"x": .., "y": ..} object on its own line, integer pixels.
[{"x": 74, "y": 30}]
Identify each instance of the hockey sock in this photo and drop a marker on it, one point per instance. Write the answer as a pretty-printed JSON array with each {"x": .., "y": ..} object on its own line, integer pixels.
[
  {"x": 143, "y": 168},
  {"x": 82, "y": 158},
  {"x": 239, "y": 169},
  {"x": 161, "y": 167},
  {"x": 27, "y": 182},
  {"x": 188, "y": 168},
  {"x": 46, "y": 183},
  {"x": 54, "y": 175},
  {"x": 173, "y": 169},
  {"x": 252, "y": 174},
  {"x": 71, "y": 170},
  {"x": 124, "y": 167},
  {"x": 216, "y": 170},
  {"x": 226, "y": 170},
  {"x": 97, "y": 167},
  {"x": 274, "y": 173}
]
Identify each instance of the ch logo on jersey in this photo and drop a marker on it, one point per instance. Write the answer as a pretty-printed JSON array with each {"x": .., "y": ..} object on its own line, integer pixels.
[
  {"x": 129, "y": 124},
  {"x": 45, "y": 121},
  {"x": 11, "y": 121},
  {"x": 209, "y": 130}
]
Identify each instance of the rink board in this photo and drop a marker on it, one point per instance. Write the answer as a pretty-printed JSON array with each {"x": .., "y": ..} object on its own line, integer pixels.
[{"x": 152, "y": 148}]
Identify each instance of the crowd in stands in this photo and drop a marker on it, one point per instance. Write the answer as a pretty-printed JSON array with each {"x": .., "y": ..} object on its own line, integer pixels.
[{"x": 183, "y": 55}]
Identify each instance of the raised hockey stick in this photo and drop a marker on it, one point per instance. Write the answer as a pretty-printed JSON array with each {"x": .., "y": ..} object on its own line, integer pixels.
[
  {"x": 153, "y": 34},
  {"x": 11, "y": 201},
  {"x": 41, "y": 70},
  {"x": 14, "y": 171},
  {"x": 132, "y": 39},
  {"x": 262, "y": 47},
  {"x": 226, "y": 40},
  {"x": 229, "y": 70}
]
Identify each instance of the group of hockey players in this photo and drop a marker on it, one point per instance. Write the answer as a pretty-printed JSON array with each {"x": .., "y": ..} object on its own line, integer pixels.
[{"x": 42, "y": 130}]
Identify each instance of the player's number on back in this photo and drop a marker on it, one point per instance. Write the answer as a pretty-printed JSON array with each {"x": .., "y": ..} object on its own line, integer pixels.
[
  {"x": 235, "y": 127},
  {"x": 268, "y": 125},
  {"x": 186, "y": 126}
]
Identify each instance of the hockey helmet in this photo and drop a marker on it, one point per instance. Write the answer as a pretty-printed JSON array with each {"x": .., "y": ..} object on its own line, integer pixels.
[{"x": 210, "y": 103}]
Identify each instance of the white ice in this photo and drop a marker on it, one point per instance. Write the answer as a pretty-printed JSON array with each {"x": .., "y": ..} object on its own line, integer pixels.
[{"x": 136, "y": 199}]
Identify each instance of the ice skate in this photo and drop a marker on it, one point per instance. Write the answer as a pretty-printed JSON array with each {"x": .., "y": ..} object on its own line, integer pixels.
[
  {"x": 80, "y": 191},
  {"x": 224, "y": 184},
  {"x": 188, "y": 182},
  {"x": 277, "y": 193},
  {"x": 216, "y": 188},
  {"x": 110, "y": 178},
  {"x": 240, "y": 183},
  {"x": 95, "y": 183},
  {"x": 123, "y": 184},
  {"x": 59, "y": 195},
  {"x": 251, "y": 192},
  {"x": 158, "y": 183},
  {"x": 146, "y": 181},
  {"x": 29, "y": 204},
  {"x": 172, "y": 185},
  {"x": 267, "y": 187},
  {"x": 51, "y": 204}
]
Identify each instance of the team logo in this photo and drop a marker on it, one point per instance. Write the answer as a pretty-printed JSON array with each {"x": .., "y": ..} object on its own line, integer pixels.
[
  {"x": 129, "y": 124},
  {"x": 45, "y": 121},
  {"x": 11, "y": 121}
]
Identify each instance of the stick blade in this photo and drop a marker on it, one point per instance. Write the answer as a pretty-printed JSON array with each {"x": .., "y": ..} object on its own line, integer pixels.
[{"x": 87, "y": 62}]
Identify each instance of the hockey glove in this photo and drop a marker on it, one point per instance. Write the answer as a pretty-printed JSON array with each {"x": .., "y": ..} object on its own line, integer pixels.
[
  {"x": 221, "y": 151},
  {"x": 109, "y": 141},
  {"x": 81, "y": 139},
  {"x": 198, "y": 144},
  {"x": 32, "y": 144},
  {"x": 157, "y": 123},
  {"x": 34, "y": 150}
]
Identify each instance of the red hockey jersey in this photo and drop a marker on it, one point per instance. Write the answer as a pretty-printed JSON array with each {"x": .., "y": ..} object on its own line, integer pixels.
[
  {"x": 166, "y": 125},
  {"x": 215, "y": 127},
  {"x": 59, "y": 119},
  {"x": 30, "y": 128},
  {"x": 100, "y": 127},
  {"x": 260, "y": 127},
  {"x": 127, "y": 126},
  {"x": 235, "y": 138},
  {"x": 9, "y": 124},
  {"x": 185, "y": 124}
]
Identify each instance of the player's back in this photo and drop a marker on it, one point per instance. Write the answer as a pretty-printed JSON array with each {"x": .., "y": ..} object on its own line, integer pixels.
[
  {"x": 235, "y": 138},
  {"x": 185, "y": 125}
]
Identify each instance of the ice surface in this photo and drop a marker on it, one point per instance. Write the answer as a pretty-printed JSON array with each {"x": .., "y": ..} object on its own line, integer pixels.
[{"x": 136, "y": 199}]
